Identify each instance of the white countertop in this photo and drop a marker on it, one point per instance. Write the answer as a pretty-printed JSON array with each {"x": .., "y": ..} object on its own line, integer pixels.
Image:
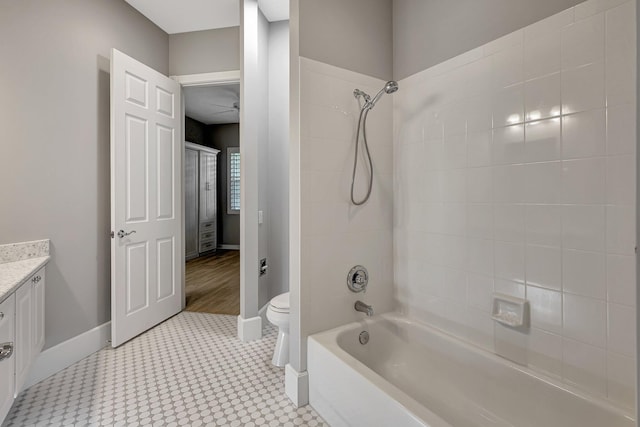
[{"x": 14, "y": 274}]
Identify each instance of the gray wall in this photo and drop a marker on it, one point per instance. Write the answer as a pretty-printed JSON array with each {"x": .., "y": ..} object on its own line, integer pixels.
[
  {"x": 637, "y": 211},
  {"x": 204, "y": 51},
  {"x": 278, "y": 161},
  {"x": 223, "y": 137},
  {"x": 195, "y": 131},
  {"x": 54, "y": 154},
  {"x": 354, "y": 34},
  {"x": 262, "y": 125},
  {"x": 427, "y": 32},
  {"x": 250, "y": 113}
]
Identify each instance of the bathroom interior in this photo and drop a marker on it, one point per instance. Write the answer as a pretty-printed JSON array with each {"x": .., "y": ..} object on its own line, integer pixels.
[{"x": 444, "y": 191}]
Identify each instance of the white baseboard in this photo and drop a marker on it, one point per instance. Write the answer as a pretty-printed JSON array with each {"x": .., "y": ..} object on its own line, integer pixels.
[
  {"x": 263, "y": 315},
  {"x": 296, "y": 385},
  {"x": 65, "y": 354},
  {"x": 229, "y": 247},
  {"x": 249, "y": 329}
]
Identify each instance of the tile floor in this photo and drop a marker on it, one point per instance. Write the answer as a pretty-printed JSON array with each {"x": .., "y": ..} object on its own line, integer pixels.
[{"x": 190, "y": 370}]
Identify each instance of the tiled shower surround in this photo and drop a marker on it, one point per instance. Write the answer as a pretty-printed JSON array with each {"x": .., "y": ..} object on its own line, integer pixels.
[
  {"x": 335, "y": 235},
  {"x": 514, "y": 169}
]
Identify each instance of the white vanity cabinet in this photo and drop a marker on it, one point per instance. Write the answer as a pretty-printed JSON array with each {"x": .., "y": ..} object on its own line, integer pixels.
[
  {"x": 22, "y": 285},
  {"x": 38, "y": 313},
  {"x": 21, "y": 336},
  {"x": 29, "y": 326},
  {"x": 24, "y": 330},
  {"x": 7, "y": 358}
]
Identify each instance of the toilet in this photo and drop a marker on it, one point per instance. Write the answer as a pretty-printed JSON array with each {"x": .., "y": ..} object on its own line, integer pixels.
[{"x": 278, "y": 315}]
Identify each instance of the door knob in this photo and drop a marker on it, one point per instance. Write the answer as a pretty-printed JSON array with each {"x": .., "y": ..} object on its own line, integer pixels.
[{"x": 122, "y": 233}]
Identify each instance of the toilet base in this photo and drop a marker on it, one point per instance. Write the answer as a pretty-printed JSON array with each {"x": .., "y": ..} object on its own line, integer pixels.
[{"x": 281, "y": 352}]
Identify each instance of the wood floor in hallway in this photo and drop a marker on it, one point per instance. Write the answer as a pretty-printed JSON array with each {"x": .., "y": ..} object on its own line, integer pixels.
[{"x": 212, "y": 283}]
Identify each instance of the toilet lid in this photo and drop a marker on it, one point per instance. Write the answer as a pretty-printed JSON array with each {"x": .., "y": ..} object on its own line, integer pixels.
[{"x": 281, "y": 302}]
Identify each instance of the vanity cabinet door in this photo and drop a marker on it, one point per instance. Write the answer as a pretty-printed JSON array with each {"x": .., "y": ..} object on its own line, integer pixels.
[
  {"x": 7, "y": 359},
  {"x": 38, "y": 313},
  {"x": 24, "y": 333}
]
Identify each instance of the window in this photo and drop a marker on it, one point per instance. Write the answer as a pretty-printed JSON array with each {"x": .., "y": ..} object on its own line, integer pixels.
[{"x": 233, "y": 180}]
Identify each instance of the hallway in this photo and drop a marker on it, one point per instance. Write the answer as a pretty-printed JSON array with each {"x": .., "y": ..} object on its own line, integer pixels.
[{"x": 212, "y": 283}]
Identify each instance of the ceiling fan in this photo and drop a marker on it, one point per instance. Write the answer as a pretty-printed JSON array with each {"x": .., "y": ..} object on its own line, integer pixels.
[{"x": 235, "y": 107}]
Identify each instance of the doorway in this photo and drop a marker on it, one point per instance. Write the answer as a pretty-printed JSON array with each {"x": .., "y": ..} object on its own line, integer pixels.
[{"x": 212, "y": 198}]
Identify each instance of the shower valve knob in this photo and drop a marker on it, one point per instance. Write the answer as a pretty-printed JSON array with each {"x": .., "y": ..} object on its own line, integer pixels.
[{"x": 357, "y": 279}]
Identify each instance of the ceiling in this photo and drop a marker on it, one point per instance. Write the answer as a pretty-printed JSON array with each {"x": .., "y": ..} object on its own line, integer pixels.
[
  {"x": 195, "y": 15},
  {"x": 207, "y": 104},
  {"x": 274, "y": 10},
  {"x": 212, "y": 104}
]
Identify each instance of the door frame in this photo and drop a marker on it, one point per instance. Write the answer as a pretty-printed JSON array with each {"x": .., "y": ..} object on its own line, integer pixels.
[{"x": 247, "y": 237}]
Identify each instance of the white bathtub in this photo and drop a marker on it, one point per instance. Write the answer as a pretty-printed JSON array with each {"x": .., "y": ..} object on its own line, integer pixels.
[{"x": 412, "y": 375}]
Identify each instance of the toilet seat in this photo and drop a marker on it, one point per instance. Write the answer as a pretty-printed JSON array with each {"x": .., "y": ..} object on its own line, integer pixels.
[{"x": 280, "y": 303}]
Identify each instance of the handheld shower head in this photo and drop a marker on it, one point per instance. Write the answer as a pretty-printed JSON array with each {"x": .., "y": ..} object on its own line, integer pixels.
[{"x": 390, "y": 87}]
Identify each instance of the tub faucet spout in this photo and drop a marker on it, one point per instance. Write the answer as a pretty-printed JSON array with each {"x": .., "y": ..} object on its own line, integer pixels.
[{"x": 364, "y": 308}]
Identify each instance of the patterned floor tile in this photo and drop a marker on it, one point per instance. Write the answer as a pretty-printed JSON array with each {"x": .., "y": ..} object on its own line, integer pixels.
[{"x": 190, "y": 370}]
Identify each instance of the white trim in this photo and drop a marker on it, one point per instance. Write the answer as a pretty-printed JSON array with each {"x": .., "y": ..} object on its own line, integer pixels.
[
  {"x": 296, "y": 385},
  {"x": 229, "y": 247},
  {"x": 263, "y": 314},
  {"x": 208, "y": 79},
  {"x": 230, "y": 151},
  {"x": 198, "y": 147},
  {"x": 68, "y": 352},
  {"x": 246, "y": 327},
  {"x": 249, "y": 329}
]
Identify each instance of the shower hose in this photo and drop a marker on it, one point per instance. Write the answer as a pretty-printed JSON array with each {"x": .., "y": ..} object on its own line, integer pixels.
[{"x": 362, "y": 126}]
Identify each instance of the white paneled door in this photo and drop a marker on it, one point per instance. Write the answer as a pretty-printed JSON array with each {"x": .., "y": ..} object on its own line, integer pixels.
[{"x": 146, "y": 195}]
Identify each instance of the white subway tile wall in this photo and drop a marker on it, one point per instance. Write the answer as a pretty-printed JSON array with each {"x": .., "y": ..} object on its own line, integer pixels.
[
  {"x": 515, "y": 173},
  {"x": 336, "y": 235}
]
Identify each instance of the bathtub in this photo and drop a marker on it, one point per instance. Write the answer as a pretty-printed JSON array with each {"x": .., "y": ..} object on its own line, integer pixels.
[{"x": 410, "y": 374}]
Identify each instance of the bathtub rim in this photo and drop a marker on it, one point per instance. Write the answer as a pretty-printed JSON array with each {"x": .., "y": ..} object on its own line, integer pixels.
[
  {"x": 401, "y": 399},
  {"x": 329, "y": 340}
]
